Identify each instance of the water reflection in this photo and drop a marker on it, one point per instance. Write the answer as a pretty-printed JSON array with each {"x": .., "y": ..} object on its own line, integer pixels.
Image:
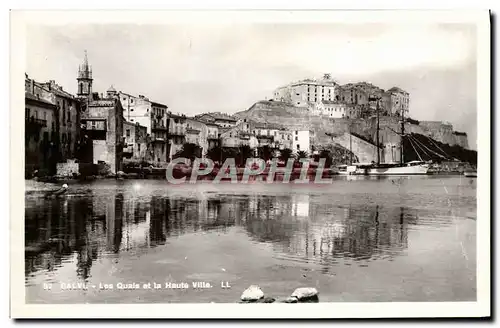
[{"x": 299, "y": 227}]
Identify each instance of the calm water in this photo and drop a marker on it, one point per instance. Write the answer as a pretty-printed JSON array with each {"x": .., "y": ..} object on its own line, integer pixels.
[{"x": 411, "y": 239}]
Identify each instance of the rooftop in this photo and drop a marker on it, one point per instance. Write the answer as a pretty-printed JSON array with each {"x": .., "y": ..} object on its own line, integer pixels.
[
  {"x": 37, "y": 98},
  {"x": 158, "y": 105},
  {"x": 397, "y": 89}
]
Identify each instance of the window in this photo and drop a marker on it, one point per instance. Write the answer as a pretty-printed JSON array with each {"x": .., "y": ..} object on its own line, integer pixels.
[
  {"x": 138, "y": 147},
  {"x": 298, "y": 147},
  {"x": 128, "y": 132},
  {"x": 44, "y": 115},
  {"x": 131, "y": 101},
  {"x": 36, "y": 114},
  {"x": 296, "y": 132},
  {"x": 296, "y": 138}
]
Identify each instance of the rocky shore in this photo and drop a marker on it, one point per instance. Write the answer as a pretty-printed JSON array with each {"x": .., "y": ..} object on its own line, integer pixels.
[{"x": 254, "y": 294}]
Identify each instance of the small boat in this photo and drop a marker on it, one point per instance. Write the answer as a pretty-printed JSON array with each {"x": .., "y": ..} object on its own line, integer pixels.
[
  {"x": 346, "y": 169},
  {"x": 57, "y": 193},
  {"x": 470, "y": 174}
]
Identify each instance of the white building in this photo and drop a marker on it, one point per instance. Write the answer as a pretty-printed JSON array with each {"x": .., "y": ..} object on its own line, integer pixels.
[
  {"x": 307, "y": 91},
  {"x": 336, "y": 109},
  {"x": 301, "y": 141}
]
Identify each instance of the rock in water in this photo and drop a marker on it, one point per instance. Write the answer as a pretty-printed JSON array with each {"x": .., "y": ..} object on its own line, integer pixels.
[
  {"x": 291, "y": 300},
  {"x": 306, "y": 294},
  {"x": 266, "y": 300},
  {"x": 252, "y": 294}
]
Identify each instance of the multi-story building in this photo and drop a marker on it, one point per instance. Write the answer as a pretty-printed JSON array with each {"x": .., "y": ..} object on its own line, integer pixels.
[
  {"x": 68, "y": 120},
  {"x": 358, "y": 93},
  {"x": 284, "y": 139},
  {"x": 136, "y": 109},
  {"x": 335, "y": 109},
  {"x": 176, "y": 133},
  {"x": 40, "y": 134},
  {"x": 149, "y": 114},
  {"x": 159, "y": 131},
  {"x": 66, "y": 128},
  {"x": 301, "y": 141},
  {"x": 136, "y": 142},
  {"x": 102, "y": 121},
  {"x": 307, "y": 91},
  {"x": 212, "y": 135},
  {"x": 197, "y": 132},
  {"x": 395, "y": 100}
]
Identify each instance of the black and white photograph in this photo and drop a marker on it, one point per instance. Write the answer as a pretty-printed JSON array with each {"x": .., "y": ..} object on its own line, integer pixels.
[{"x": 205, "y": 163}]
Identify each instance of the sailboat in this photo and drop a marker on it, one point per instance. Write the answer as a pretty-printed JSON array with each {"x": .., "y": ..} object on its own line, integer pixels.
[{"x": 401, "y": 168}]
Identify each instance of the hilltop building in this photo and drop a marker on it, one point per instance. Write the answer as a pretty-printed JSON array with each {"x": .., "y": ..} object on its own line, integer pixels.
[
  {"x": 396, "y": 101},
  {"x": 307, "y": 91}
]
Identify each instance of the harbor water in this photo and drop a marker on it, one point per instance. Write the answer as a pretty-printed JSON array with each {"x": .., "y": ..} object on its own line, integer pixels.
[{"x": 358, "y": 239}]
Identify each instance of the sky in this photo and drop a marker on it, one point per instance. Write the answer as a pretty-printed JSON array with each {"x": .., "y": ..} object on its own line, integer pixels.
[{"x": 227, "y": 68}]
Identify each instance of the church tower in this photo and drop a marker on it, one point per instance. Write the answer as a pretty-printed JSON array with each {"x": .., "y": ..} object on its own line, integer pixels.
[{"x": 84, "y": 79}]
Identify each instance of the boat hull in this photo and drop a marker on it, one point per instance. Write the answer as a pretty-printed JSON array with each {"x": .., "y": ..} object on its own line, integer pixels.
[{"x": 400, "y": 170}]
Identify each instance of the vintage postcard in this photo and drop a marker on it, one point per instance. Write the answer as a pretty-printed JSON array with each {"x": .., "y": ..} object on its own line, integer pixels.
[{"x": 250, "y": 164}]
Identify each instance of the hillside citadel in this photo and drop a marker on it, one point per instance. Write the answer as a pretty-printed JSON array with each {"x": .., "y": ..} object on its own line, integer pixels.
[{"x": 68, "y": 134}]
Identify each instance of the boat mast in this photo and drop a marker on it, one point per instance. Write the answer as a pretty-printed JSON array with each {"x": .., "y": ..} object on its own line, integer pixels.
[
  {"x": 350, "y": 143},
  {"x": 378, "y": 128},
  {"x": 402, "y": 135}
]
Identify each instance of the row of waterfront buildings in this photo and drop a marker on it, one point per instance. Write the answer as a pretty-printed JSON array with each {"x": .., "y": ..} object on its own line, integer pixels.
[
  {"x": 65, "y": 131},
  {"x": 328, "y": 98}
]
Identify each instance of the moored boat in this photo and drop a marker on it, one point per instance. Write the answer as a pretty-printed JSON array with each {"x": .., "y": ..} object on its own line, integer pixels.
[
  {"x": 401, "y": 168},
  {"x": 470, "y": 174},
  {"x": 410, "y": 168},
  {"x": 346, "y": 169}
]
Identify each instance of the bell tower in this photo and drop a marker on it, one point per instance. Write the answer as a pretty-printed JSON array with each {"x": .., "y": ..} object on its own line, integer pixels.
[{"x": 84, "y": 79}]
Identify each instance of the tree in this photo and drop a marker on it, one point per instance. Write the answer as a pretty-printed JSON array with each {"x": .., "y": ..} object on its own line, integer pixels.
[
  {"x": 190, "y": 151},
  {"x": 215, "y": 154},
  {"x": 244, "y": 153},
  {"x": 265, "y": 152},
  {"x": 327, "y": 155},
  {"x": 302, "y": 154},
  {"x": 285, "y": 154}
]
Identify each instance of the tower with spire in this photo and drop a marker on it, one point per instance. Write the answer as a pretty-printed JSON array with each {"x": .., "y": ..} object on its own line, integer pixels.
[{"x": 84, "y": 79}]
